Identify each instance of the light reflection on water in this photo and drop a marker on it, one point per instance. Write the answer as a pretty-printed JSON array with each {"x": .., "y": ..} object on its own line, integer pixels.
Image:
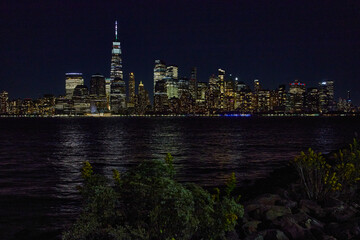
[{"x": 40, "y": 159}]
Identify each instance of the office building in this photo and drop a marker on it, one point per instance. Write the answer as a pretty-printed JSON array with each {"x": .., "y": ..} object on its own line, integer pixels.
[
  {"x": 71, "y": 81},
  {"x": 97, "y": 85}
]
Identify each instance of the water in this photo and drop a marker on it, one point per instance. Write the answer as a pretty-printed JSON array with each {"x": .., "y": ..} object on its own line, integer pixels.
[{"x": 40, "y": 158}]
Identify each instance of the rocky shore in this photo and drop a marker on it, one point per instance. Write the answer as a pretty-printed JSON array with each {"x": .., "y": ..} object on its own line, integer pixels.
[{"x": 275, "y": 208}]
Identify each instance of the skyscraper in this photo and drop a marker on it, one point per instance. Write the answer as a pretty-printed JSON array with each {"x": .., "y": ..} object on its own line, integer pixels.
[
  {"x": 71, "y": 81},
  {"x": 118, "y": 96},
  {"x": 296, "y": 97},
  {"x": 193, "y": 83},
  {"x": 131, "y": 88},
  {"x": 4, "y": 102},
  {"x": 172, "y": 71},
  {"x": 116, "y": 61},
  {"x": 326, "y": 96},
  {"x": 221, "y": 76},
  {"x": 159, "y": 72},
  {"x": 97, "y": 85}
]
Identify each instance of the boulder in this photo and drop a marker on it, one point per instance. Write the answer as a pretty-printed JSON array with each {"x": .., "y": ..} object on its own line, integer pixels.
[
  {"x": 268, "y": 234},
  {"x": 312, "y": 208},
  {"x": 251, "y": 227},
  {"x": 277, "y": 211},
  {"x": 267, "y": 199},
  {"x": 290, "y": 227},
  {"x": 341, "y": 213},
  {"x": 347, "y": 230}
]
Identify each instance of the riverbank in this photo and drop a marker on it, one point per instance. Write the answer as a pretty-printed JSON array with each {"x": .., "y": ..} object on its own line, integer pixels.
[
  {"x": 240, "y": 115},
  {"x": 276, "y": 208}
]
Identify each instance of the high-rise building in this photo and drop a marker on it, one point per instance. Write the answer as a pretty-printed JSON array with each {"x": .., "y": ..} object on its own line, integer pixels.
[
  {"x": 118, "y": 96},
  {"x": 312, "y": 100},
  {"x": 131, "y": 88},
  {"x": 116, "y": 61},
  {"x": 172, "y": 88},
  {"x": 143, "y": 102},
  {"x": 193, "y": 83},
  {"x": 296, "y": 97},
  {"x": 97, "y": 85},
  {"x": 172, "y": 71},
  {"x": 221, "y": 82},
  {"x": 161, "y": 102},
  {"x": 71, "y": 81},
  {"x": 326, "y": 96},
  {"x": 159, "y": 71},
  {"x": 4, "y": 102}
]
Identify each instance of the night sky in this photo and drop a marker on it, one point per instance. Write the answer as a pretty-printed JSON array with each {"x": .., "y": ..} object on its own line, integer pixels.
[{"x": 274, "y": 41}]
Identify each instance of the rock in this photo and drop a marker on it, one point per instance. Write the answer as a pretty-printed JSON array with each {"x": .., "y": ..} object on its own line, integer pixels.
[
  {"x": 333, "y": 202},
  {"x": 347, "y": 230},
  {"x": 269, "y": 234},
  {"x": 328, "y": 237},
  {"x": 312, "y": 208},
  {"x": 277, "y": 211},
  {"x": 341, "y": 213},
  {"x": 256, "y": 211},
  {"x": 290, "y": 227},
  {"x": 232, "y": 235},
  {"x": 287, "y": 203},
  {"x": 267, "y": 199},
  {"x": 251, "y": 227}
]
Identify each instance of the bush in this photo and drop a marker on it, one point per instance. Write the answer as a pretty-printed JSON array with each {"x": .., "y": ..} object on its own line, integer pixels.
[
  {"x": 147, "y": 203},
  {"x": 319, "y": 179},
  {"x": 347, "y": 164}
]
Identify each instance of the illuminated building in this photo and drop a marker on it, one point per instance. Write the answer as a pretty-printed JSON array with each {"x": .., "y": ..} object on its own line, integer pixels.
[
  {"x": 193, "y": 83},
  {"x": 296, "y": 97},
  {"x": 71, "y": 81},
  {"x": 81, "y": 102},
  {"x": 326, "y": 96},
  {"x": 172, "y": 71},
  {"x": 159, "y": 72},
  {"x": 4, "y": 102},
  {"x": 132, "y": 88},
  {"x": 46, "y": 105},
  {"x": 312, "y": 100},
  {"x": 183, "y": 86},
  {"x": 116, "y": 61},
  {"x": 172, "y": 88},
  {"x": 202, "y": 89},
  {"x": 263, "y": 98},
  {"x": 161, "y": 104},
  {"x": 221, "y": 82},
  {"x": 118, "y": 96},
  {"x": 213, "y": 99},
  {"x": 143, "y": 102},
  {"x": 97, "y": 85},
  {"x": 186, "y": 100}
]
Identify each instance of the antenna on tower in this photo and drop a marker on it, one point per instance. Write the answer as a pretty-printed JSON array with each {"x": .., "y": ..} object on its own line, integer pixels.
[{"x": 116, "y": 30}]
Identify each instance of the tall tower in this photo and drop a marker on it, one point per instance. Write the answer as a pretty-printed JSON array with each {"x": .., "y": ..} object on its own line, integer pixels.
[
  {"x": 116, "y": 61},
  {"x": 131, "y": 88},
  {"x": 193, "y": 83}
]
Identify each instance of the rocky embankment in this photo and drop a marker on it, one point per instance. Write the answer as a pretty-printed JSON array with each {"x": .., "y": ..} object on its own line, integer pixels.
[{"x": 284, "y": 213}]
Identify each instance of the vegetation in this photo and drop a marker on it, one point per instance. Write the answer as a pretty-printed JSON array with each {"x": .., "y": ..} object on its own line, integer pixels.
[
  {"x": 146, "y": 202},
  {"x": 320, "y": 179}
]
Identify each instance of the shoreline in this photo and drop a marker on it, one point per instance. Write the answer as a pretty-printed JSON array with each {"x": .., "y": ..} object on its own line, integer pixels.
[{"x": 188, "y": 116}]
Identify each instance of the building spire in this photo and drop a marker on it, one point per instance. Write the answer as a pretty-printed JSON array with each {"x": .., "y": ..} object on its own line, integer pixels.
[{"x": 116, "y": 38}]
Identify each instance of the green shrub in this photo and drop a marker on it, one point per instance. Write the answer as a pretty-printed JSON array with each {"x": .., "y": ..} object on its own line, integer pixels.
[
  {"x": 147, "y": 203},
  {"x": 318, "y": 179}
]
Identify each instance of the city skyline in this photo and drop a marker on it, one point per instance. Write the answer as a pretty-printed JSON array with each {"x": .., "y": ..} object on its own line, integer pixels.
[{"x": 268, "y": 64}]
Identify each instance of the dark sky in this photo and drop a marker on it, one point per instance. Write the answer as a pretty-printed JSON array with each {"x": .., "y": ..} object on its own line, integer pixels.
[{"x": 274, "y": 41}]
